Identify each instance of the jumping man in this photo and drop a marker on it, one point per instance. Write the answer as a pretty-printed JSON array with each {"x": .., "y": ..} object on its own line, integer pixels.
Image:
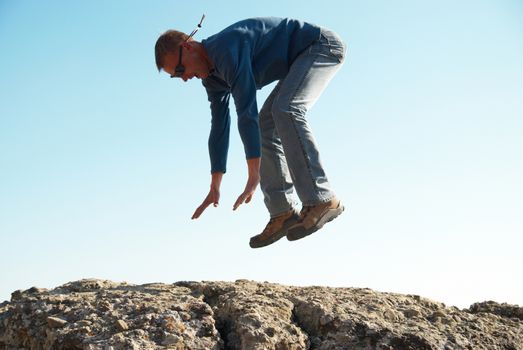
[{"x": 282, "y": 155}]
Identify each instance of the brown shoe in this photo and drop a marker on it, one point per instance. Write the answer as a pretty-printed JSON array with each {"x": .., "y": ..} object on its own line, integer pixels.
[
  {"x": 313, "y": 217},
  {"x": 275, "y": 229}
]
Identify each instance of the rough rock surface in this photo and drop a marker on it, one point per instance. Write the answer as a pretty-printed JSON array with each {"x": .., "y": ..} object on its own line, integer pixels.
[{"x": 99, "y": 314}]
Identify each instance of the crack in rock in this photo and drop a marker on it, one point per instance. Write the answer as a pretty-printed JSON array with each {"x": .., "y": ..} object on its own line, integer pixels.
[
  {"x": 296, "y": 320},
  {"x": 252, "y": 316}
]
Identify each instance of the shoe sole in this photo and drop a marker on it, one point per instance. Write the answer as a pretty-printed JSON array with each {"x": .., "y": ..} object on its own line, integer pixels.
[
  {"x": 274, "y": 238},
  {"x": 299, "y": 233}
]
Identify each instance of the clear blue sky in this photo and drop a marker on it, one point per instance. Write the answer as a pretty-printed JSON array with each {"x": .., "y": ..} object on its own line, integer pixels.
[{"x": 103, "y": 160}]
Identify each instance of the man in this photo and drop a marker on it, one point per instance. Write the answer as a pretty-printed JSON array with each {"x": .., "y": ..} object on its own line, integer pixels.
[{"x": 281, "y": 153}]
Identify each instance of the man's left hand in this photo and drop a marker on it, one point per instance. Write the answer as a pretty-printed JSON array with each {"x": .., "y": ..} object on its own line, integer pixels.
[
  {"x": 253, "y": 166},
  {"x": 247, "y": 194}
]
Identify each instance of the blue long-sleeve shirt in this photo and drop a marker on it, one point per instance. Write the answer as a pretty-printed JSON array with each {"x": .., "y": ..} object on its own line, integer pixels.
[{"x": 247, "y": 56}]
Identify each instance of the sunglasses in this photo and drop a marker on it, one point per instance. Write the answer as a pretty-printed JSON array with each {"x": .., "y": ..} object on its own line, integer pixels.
[{"x": 179, "y": 70}]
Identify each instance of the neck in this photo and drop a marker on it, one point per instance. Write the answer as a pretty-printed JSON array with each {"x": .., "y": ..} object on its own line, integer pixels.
[{"x": 203, "y": 53}]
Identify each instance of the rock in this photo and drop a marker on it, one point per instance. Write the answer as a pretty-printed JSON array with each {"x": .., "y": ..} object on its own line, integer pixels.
[
  {"x": 121, "y": 325},
  {"x": 56, "y": 322},
  {"x": 16, "y": 295},
  {"x": 99, "y": 314},
  {"x": 409, "y": 313},
  {"x": 391, "y": 315},
  {"x": 171, "y": 339},
  {"x": 36, "y": 290},
  {"x": 439, "y": 314},
  {"x": 504, "y": 310}
]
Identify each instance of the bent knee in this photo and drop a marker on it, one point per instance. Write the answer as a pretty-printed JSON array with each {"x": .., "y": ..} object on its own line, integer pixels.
[{"x": 283, "y": 106}]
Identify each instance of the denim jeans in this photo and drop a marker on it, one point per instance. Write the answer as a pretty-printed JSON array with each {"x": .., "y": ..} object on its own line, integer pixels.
[{"x": 290, "y": 158}]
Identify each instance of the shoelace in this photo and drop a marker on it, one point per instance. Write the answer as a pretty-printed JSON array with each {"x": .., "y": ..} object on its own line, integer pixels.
[
  {"x": 305, "y": 210},
  {"x": 269, "y": 224},
  {"x": 273, "y": 220}
]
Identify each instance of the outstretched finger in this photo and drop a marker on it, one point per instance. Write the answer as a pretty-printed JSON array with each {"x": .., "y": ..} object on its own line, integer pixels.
[
  {"x": 200, "y": 209},
  {"x": 197, "y": 213},
  {"x": 239, "y": 201}
]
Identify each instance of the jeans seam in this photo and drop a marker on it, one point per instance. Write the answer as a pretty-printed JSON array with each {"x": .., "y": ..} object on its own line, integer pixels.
[
  {"x": 305, "y": 156},
  {"x": 280, "y": 165}
]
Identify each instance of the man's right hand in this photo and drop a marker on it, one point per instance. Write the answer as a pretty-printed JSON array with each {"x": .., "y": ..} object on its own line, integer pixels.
[{"x": 212, "y": 198}]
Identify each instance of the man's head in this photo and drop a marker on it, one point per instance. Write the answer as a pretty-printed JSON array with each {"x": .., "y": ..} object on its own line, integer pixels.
[{"x": 180, "y": 56}]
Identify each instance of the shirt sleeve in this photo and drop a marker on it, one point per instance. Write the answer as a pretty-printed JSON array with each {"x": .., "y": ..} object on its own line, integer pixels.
[
  {"x": 220, "y": 128},
  {"x": 243, "y": 90}
]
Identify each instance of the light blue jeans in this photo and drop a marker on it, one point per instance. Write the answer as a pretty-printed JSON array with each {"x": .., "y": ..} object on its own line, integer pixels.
[{"x": 290, "y": 157}]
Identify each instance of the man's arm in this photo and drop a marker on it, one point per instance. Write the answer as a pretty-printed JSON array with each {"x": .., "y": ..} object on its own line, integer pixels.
[
  {"x": 243, "y": 90},
  {"x": 218, "y": 144}
]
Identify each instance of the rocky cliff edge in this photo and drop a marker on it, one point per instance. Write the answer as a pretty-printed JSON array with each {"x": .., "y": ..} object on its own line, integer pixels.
[{"x": 99, "y": 314}]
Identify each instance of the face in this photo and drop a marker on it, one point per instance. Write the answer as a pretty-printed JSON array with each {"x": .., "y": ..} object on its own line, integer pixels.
[{"x": 192, "y": 59}]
